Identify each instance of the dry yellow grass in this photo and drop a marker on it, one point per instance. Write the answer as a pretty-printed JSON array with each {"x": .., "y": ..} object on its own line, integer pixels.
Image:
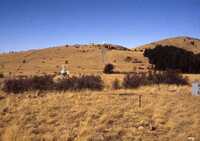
[
  {"x": 187, "y": 43},
  {"x": 168, "y": 113},
  {"x": 87, "y": 59}
]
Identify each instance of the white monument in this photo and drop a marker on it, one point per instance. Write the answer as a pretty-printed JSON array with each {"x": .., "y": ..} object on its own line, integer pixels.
[{"x": 64, "y": 72}]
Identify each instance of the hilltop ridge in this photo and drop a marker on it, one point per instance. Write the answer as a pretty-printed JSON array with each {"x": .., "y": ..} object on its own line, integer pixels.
[
  {"x": 86, "y": 58},
  {"x": 184, "y": 42}
]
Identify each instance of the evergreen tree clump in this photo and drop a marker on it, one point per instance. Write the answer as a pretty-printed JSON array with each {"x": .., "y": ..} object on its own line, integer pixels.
[
  {"x": 171, "y": 57},
  {"x": 108, "y": 68}
]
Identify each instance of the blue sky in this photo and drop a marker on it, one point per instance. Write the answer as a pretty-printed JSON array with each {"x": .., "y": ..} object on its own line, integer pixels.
[{"x": 31, "y": 24}]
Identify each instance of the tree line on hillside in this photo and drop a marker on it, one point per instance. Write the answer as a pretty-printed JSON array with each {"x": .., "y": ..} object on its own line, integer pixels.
[{"x": 172, "y": 57}]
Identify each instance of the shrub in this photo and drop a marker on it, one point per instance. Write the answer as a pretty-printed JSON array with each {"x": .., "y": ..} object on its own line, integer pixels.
[
  {"x": 65, "y": 84},
  {"x": 66, "y": 62},
  {"x": 132, "y": 80},
  {"x": 171, "y": 57},
  {"x": 1, "y": 75},
  {"x": 79, "y": 83},
  {"x": 136, "y": 61},
  {"x": 16, "y": 85},
  {"x": 24, "y": 61},
  {"x": 108, "y": 68},
  {"x": 172, "y": 77},
  {"x": 167, "y": 77},
  {"x": 20, "y": 85},
  {"x": 41, "y": 82},
  {"x": 90, "y": 82},
  {"x": 128, "y": 59},
  {"x": 116, "y": 84}
]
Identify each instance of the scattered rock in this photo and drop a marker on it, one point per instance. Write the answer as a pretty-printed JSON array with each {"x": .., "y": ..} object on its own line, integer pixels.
[
  {"x": 2, "y": 97},
  {"x": 152, "y": 128},
  {"x": 141, "y": 128},
  {"x": 191, "y": 138},
  {"x": 5, "y": 110}
]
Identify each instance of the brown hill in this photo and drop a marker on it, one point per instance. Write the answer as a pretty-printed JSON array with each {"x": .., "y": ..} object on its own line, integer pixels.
[
  {"x": 84, "y": 59},
  {"x": 77, "y": 58},
  {"x": 167, "y": 112},
  {"x": 187, "y": 43}
]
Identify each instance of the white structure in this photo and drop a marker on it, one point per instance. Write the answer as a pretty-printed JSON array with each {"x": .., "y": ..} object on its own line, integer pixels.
[
  {"x": 64, "y": 71},
  {"x": 196, "y": 88}
]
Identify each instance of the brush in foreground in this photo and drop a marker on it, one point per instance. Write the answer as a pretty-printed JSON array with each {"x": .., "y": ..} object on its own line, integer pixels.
[
  {"x": 166, "y": 77},
  {"x": 46, "y": 82}
]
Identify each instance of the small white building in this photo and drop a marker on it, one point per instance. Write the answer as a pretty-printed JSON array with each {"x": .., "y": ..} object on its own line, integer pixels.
[{"x": 64, "y": 72}]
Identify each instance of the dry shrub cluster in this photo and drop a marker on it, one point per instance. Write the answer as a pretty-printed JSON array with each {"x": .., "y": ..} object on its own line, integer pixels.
[
  {"x": 116, "y": 84},
  {"x": 45, "y": 82},
  {"x": 1, "y": 75},
  {"x": 20, "y": 85},
  {"x": 80, "y": 83},
  {"x": 108, "y": 69},
  {"x": 128, "y": 59},
  {"x": 135, "y": 80}
]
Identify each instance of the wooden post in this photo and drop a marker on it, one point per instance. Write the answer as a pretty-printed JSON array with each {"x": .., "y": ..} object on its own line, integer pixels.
[{"x": 140, "y": 101}]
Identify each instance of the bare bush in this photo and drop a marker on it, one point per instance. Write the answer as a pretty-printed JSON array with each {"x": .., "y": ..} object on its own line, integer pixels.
[
  {"x": 20, "y": 85},
  {"x": 1, "y": 75},
  {"x": 116, "y": 84},
  {"x": 45, "y": 82},
  {"x": 82, "y": 82},
  {"x": 128, "y": 59},
  {"x": 66, "y": 61},
  {"x": 166, "y": 77},
  {"x": 132, "y": 80},
  {"x": 24, "y": 61},
  {"x": 16, "y": 85}
]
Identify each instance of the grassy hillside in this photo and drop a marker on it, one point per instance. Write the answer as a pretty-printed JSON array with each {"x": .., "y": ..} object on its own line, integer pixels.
[
  {"x": 81, "y": 59},
  {"x": 187, "y": 43},
  {"x": 86, "y": 58},
  {"x": 167, "y": 112}
]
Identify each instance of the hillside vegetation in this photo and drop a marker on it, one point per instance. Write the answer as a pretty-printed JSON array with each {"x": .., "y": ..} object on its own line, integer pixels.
[
  {"x": 186, "y": 43},
  {"x": 171, "y": 57},
  {"x": 109, "y": 96},
  {"x": 167, "y": 113},
  {"x": 84, "y": 59}
]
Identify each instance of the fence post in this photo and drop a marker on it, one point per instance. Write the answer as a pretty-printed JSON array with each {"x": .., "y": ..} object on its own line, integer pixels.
[{"x": 140, "y": 101}]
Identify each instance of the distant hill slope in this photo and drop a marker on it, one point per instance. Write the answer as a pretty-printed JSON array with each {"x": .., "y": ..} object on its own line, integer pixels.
[
  {"x": 187, "y": 43},
  {"x": 77, "y": 58},
  {"x": 84, "y": 59}
]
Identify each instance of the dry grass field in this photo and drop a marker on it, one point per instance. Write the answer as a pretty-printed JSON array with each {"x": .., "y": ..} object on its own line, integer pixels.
[
  {"x": 187, "y": 43},
  {"x": 167, "y": 112},
  {"x": 84, "y": 59}
]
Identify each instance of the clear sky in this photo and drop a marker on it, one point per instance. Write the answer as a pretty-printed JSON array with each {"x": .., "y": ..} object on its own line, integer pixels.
[{"x": 31, "y": 24}]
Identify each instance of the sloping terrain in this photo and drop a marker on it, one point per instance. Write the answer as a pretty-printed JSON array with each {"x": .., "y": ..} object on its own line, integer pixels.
[
  {"x": 78, "y": 59},
  {"x": 167, "y": 112},
  {"x": 81, "y": 59},
  {"x": 187, "y": 43}
]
